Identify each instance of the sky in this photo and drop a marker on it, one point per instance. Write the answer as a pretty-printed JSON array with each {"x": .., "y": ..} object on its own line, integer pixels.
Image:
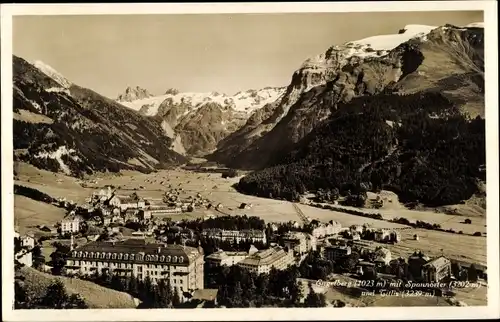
[{"x": 202, "y": 52}]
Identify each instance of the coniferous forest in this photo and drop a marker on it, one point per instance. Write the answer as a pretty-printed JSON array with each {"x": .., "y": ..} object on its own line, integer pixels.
[{"x": 419, "y": 145}]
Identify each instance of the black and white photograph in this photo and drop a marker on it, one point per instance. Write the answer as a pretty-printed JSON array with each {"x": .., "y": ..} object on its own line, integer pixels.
[{"x": 258, "y": 157}]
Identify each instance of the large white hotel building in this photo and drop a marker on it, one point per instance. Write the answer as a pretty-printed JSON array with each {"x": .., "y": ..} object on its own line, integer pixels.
[{"x": 135, "y": 257}]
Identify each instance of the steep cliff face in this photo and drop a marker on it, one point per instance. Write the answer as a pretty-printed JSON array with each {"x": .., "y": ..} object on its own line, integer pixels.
[
  {"x": 133, "y": 93},
  {"x": 416, "y": 59},
  {"x": 61, "y": 127}
]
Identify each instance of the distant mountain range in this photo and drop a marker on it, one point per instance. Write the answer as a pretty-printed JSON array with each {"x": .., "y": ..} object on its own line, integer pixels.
[
  {"x": 196, "y": 122},
  {"x": 383, "y": 111}
]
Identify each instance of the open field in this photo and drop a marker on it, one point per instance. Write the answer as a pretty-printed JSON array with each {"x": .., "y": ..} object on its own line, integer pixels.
[
  {"x": 96, "y": 296},
  {"x": 394, "y": 209},
  {"x": 472, "y": 296},
  {"x": 218, "y": 190},
  {"x": 48, "y": 249},
  {"x": 29, "y": 213},
  {"x": 56, "y": 185},
  {"x": 433, "y": 243}
]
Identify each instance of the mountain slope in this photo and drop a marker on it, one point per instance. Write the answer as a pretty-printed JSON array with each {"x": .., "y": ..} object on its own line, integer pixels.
[
  {"x": 419, "y": 58},
  {"x": 60, "y": 126},
  {"x": 417, "y": 145},
  {"x": 196, "y": 122}
]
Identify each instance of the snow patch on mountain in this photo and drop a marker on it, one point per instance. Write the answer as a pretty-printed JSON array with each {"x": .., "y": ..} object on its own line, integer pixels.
[
  {"x": 36, "y": 106},
  {"x": 58, "y": 90},
  {"x": 52, "y": 73},
  {"x": 475, "y": 25},
  {"x": 246, "y": 102},
  {"x": 389, "y": 42},
  {"x": 375, "y": 46},
  {"x": 57, "y": 155}
]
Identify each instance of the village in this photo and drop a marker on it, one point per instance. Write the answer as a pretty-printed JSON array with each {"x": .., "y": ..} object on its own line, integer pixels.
[{"x": 131, "y": 235}]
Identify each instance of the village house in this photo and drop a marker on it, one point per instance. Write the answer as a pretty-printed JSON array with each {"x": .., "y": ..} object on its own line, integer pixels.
[
  {"x": 415, "y": 263},
  {"x": 381, "y": 235},
  {"x": 122, "y": 202},
  {"x": 106, "y": 211},
  {"x": 131, "y": 215},
  {"x": 363, "y": 265},
  {"x": 387, "y": 235},
  {"x": 189, "y": 207},
  {"x": 334, "y": 252},
  {"x": 223, "y": 258},
  {"x": 481, "y": 269},
  {"x": 328, "y": 229},
  {"x": 436, "y": 270},
  {"x": 356, "y": 229},
  {"x": 117, "y": 220},
  {"x": 27, "y": 242},
  {"x": 237, "y": 236},
  {"x": 106, "y": 221},
  {"x": 182, "y": 266},
  {"x": 103, "y": 194},
  {"x": 151, "y": 211},
  {"x": 176, "y": 231},
  {"x": 263, "y": 260},
  {"x": 70, "y": 225},
  {"x": 383, "y": 256},
  {"x": 299, "y": 242},
  {"x": 395, "y": 236}
]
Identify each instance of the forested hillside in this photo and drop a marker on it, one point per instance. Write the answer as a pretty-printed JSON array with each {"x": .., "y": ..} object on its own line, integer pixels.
[{"x": 418, "y": 145}]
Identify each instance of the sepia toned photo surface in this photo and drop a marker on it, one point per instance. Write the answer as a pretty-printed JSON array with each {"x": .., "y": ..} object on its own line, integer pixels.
[{"x": 257, "y": 160}]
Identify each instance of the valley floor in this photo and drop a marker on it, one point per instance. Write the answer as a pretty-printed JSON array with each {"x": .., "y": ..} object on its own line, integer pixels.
[
  {"x": 212, "y": 186},
  {"x": 218, "y": 190}
]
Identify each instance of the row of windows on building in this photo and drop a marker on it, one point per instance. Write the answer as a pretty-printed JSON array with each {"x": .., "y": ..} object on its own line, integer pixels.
[
  {"x": 117, "y": 265},
  {"x": 120, "y": 256},
  {"x": 129, "y": 266}
]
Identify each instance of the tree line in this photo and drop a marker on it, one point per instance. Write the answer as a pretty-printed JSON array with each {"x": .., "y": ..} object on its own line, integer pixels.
[
  {"x": 234, "y": 223},
  {"x": 54, "y": 297},
  {"x": 418, "y": 145},
  {"x": 152, "y": 295}
]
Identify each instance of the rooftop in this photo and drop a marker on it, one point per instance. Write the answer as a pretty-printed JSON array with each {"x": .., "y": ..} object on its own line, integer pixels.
[
  {"x": 264, "y": 257},
  {"x": 438, "y": 262},
  {"x": 338, "y": 247},
  {"x": 140, "y": 246},
  {"x": 219, "y": 255},
  {"x": 295, "y": 235}
]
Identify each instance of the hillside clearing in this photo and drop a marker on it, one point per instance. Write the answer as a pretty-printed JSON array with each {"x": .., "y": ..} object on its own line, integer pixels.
[{"x": 96, "y": 297}]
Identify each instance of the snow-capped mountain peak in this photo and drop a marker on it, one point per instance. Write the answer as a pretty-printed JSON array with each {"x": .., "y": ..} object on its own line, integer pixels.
[
  {"x": 52, "y": 73},
  {"x": 246, "y": 102},
  {"x": 134, "y": 93}
]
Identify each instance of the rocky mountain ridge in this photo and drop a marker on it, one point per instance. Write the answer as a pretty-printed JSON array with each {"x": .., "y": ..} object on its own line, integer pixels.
[
  {"x": 196, "y": 122},
  {"x": 133, "y": 93},
  {"x": 418, "y": 58},
  {"x": 62, "y": 127}
]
